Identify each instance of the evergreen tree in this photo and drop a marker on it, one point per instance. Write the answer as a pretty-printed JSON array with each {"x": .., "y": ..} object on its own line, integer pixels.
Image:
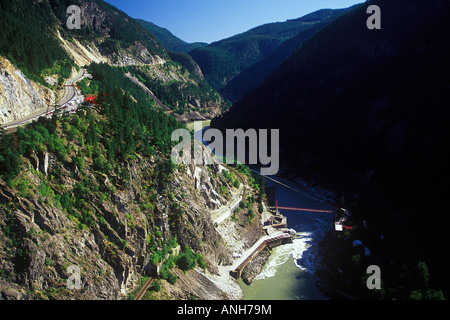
[{"x": 9, "y": 156}]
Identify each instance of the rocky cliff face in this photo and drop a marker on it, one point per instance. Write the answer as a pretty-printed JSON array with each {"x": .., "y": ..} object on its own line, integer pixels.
[
  {"x": 40, "y": 241},
  {"x": 110, "y": 36},
  {"x": 20, "y": 96},
  {"x": 62, "y": 212},
  {"x": 84, "y": 51},
  {"x": 101, "y": 21},
  {"x": 83, "y": 54}
]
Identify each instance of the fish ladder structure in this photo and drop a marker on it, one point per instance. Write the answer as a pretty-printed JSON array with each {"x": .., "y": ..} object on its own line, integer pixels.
[{"x": 271, "y": 242}]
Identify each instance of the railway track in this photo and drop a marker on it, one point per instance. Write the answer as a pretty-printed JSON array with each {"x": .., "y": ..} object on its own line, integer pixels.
[
  {"x": 240, "y": 178},
  {"x": 144, "y": 289}
]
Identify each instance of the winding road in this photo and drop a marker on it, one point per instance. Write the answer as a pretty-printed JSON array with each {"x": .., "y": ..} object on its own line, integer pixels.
[{"x": 69, "y": 94}]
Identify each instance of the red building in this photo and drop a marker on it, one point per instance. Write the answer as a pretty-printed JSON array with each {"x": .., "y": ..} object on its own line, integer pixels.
[{"x": 90, "y": 98}]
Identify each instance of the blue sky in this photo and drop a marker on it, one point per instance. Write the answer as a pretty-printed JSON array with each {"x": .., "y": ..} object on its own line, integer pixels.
[{"x": 213, "y": 20}]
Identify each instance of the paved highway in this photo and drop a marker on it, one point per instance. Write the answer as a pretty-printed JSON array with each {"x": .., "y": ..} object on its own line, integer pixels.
[{"x": 70, "y": 93}]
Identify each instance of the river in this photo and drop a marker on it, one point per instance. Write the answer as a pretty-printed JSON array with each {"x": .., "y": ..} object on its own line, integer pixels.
[{"x": 289, "y": 272}]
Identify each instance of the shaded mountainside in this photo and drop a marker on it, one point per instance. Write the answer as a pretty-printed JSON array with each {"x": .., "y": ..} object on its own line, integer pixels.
[
  {"x": 366, "y": 111},
  {"x": 254, "y": 76},
  {"x": 223, "y": 60}
]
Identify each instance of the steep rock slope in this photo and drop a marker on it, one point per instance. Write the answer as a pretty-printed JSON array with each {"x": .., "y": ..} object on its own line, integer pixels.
[
  {"x": 113, "y": 255},
  {"x": 19, "y": 96}
]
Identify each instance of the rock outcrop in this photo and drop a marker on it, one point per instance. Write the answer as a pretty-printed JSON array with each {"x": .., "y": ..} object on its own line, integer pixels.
[
  {"x": 19, "y": 96},
  {"x": 255, "y": 266},
  {"x": 83, "y": 54},
  {"x": 40, "y": 240}
]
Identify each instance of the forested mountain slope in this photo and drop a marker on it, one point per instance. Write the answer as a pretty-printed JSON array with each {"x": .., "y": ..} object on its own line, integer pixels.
[
  {"x": 97, "y": 189},
  {"x": 168, "y": 40},
  {"x": 37, "y": 40},
  {"x": 223, "y": 60}
]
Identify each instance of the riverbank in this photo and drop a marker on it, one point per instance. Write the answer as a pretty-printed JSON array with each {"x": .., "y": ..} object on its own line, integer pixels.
[
  {"x": 289, "y": 271},
  {"x": 254, "y": 268}
]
